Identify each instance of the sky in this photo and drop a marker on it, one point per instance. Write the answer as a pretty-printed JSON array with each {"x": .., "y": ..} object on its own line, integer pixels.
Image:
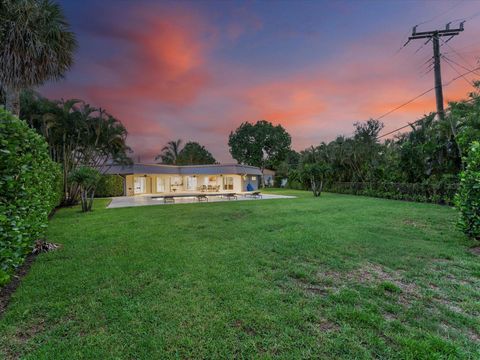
[{"x": 196, "y": 70}]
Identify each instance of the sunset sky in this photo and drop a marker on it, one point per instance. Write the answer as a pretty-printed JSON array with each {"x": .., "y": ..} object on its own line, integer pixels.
[{"x": 196, "y": 70}]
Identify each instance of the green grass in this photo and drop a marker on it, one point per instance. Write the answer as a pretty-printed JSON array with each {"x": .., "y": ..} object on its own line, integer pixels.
[{"x": 332, "y": 277}]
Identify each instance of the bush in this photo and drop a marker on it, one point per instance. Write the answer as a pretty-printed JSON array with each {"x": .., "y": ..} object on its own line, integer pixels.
[
  {"x": 467, "y": 199},
  {"x": 439, "y": 192},
  {"x": 29, "y": 184},
  {"x": 86, "y": 178},
  {"x": 109, "y": 185}
]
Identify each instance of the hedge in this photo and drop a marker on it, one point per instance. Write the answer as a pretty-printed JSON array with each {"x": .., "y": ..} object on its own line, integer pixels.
[
  {"x": 468, "y": 197},
  {"x": 29, "y": 191},
  {"x": 109, "y": 185},
  {"x": 439, "y": 192}
]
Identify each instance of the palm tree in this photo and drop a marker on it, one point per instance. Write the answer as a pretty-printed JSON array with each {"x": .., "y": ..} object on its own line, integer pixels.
[
  {"x": 170, "y": 152},
  {"x": 36, "y": 45}
]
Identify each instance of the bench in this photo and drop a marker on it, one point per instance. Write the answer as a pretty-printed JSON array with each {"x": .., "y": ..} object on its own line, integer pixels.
[
  {"x": 169, "y": 199},
  {"x": 230, "y": 196},
  {"x": 254, "y": 195}
]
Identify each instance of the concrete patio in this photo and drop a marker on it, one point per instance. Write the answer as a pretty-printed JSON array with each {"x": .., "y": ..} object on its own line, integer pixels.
[{"x": 144, "y": 200}]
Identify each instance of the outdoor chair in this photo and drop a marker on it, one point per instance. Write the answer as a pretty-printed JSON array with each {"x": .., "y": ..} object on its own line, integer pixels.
[
  {"x": 168, "y": 199},
  {"x": 254, "y": 195}
]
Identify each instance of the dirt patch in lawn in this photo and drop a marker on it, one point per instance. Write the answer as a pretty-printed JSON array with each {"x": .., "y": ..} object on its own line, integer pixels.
[
  {"x": 327, "y": 326},
  {"x": 391, "y": 281},
  {"x": 7, "y": 291},
  {"x": 27, "y": 334},
  {"x": 475, "y": 250},
  {"x": 239, "y": 324},
  {"x": 414, "y": 223}
]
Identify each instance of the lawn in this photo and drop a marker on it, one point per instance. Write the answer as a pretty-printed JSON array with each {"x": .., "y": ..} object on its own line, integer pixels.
[{"x": 332, "y": 277}]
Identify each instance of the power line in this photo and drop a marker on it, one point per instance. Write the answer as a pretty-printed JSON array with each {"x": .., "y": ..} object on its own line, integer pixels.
[
  {"x": 404, "y": 104},
  {"x": 467, "y": 18},
  {"x": 401, "y": 128},
  {"x": 449, "y": 62},
  {"x": 463, "y": 67},
  {"x": 418, "y": 96},
  {"x": 441, "y": 14},
  {"x": 455, "y": 51}
]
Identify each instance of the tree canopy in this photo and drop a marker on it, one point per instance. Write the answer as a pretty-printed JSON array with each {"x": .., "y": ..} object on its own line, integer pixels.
[
  {"x": 45, "y": 51},
  {"x": 429, "y": 154},
  {"x": 77, "y": 134},
  {"x": 261, "y": 144},
  {"x": 191, "y": 154},
  {"x": 170, "y": 152},
  {"x": 195, "y": 154}
]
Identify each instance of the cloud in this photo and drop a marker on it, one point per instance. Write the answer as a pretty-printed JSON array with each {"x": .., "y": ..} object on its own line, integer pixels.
[{"x": 162, "y": 70}]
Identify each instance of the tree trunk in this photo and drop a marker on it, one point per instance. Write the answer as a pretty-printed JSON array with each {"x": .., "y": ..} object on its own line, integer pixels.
[
  {"x": 90, "y": 203},
  {"x": 65, "y": 174},
  {"x": 12, "y": 101},
  {"x": 84, "y": 198}
]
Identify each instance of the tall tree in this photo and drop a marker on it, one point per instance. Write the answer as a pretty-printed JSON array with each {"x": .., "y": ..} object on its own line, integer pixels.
[
  {"x": 170, "y": 152},
  {"x": 36, "y": 45},
  {"x": 261, "y": 144},
  {"x": 77, "y": 135},
  {"x": 194, "y": 154}
]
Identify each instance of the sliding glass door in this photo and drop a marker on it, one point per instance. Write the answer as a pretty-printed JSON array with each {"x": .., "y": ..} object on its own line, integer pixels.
[{"x": 139, "y": 185}]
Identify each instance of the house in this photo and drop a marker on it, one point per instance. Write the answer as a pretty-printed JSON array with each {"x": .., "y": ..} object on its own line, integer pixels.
[{"x": 172, "y": 179}]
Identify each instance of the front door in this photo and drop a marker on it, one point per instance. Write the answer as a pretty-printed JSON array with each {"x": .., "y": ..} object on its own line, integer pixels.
[{"x": 139, "y": 185}]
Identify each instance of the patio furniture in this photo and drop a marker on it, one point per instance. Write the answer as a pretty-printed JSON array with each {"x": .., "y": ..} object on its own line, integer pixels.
[
  {"x": 231, "y": 196},
  {"x": 202, "y": 198},
  {"x": 169, "y": 199},
  {"x": 254, "y": 195}
]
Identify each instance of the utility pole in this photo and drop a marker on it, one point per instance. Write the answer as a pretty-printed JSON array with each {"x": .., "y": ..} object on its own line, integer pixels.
[{"x": 435, "y": 36}]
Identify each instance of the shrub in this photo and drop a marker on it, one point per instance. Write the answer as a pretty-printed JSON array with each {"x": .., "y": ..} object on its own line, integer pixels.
[
  {"x": 87, "y": 179},
  {"x": 29, "y": 184},
  {"x": 314, "y": 175},
  {"x": 467, "y": 199},
  {"x": 439, "y": 192},
  {"x": 109, "y": 185}
]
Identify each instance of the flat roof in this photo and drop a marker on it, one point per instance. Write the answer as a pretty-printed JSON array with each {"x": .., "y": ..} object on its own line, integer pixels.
[{"x": 214, "y": 169}]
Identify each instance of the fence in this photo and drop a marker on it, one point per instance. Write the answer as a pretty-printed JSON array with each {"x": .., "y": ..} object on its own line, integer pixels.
[{"x": 439, "y": 193}]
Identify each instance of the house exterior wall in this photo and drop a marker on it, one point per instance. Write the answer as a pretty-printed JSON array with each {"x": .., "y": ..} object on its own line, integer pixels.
[
  {"x": 129, "y": 185},
  {"x": 179, "y": 183},
  {"x": 254, "y": 180}
]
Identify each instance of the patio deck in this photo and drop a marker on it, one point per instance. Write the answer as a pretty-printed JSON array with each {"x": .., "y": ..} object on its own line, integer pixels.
[{"x": 183, "y": 198}]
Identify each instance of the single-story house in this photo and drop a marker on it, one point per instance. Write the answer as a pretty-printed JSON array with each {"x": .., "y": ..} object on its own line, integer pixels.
[{"x": 172, "y": 179}]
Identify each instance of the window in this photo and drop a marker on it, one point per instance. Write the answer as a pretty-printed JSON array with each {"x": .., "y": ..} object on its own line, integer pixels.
[
  {"x": 254, "y": 178},
  {"x": 160, "y": 184},
  {"x": 227, "y": 183},
  {"x": 191, "y": 183},
  {"x": 176, "y": 181},
  {"x": 139, "y": 185}
]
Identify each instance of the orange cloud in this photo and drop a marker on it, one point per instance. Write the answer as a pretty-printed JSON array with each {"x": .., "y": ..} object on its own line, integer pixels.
[{"x": 165, "y": 63}]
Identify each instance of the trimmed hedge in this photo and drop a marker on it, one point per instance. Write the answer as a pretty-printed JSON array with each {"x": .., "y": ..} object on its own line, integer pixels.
[
  {"x": 29, "y": 191},
  {"x": 468, "y": 197},
  {"x": 439, "y": 193},
  {"x": 109, "y": 185}
]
